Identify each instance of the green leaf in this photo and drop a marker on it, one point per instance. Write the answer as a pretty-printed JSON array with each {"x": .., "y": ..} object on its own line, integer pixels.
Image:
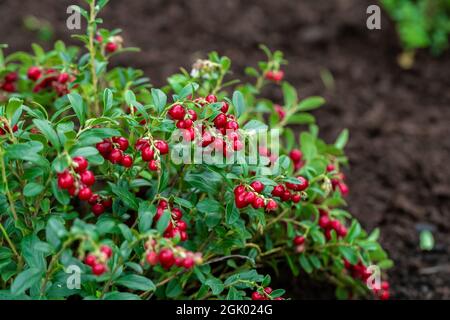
[
  {"x": 304, "y": 262},
  {"x": 76, "y": 101},
  {"x": 60, "y": 195},
  {"x": 426, "y": 240},
  {"x": 107, "y": 100},
  {"x": 232, "y": 213},
  {"x": 289, "y": 94},
  {"x": 47, "y": 130},
  {"x": 163, "y": 221},
  {"x": 146, "y": 213},
  {"x": 308, "y": 146},
  {"x": 350, "y": 254},
  {"x": 255, "y": 125},
  {"x": 216, "y": 285},
  {"x": 183, "y": 202},
  {"x": 311, "y": 103},
  {"x": 136, "y": 282},
  {"x": 173, "y": 289},
  {"x": 25, "y": 280},
  {"x": 209, "y": 205},
  {"x": 12, "y": 106},
  {"x": 32, "y": 189},
  {"x": 341, "y": 141},
  {"x": 159, "y": 99},
  {"x": 239, "y": 103},
  {"x": 354, "y": 231},
  {"x": 125, "y": 196},
  {"x": 121, "y": 296}
]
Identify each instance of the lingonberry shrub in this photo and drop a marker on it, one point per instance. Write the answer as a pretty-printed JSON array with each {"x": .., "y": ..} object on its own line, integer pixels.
[{"x": 93, "y": 193}]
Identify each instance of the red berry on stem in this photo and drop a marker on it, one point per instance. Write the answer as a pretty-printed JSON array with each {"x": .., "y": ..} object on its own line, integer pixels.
[
  {"x": 153, "y": 165},
  {"x": 258, "y": 203},
  {"x": 324, "y": 222},
  {"x": 268, "y": 290},
  {"x": 296, "y": 155},
  {"x": 166, "y": 258},
  {"x": 87, "y": 177},
  {"x": 65, "y": 180},
  {"x": 81, "y": 164},
  {"x": 107, "y": 203},
  {"x": 63, "y": 77},
  {"x": 192, "y": 114},
  {"x": 98, "y": 269},
  {"x": 104, "y": 147},
  {"x": 85, "y": 193},
  {"x": 90, "y": 260},
  {"x": 176, "y": 214},
  {"x": 232, "y": 125},
  {"x": 127, "y": 161},
  {"x": 278, "y": 191},
  {"x": 162, "y": 146},
  {"x": 177, "y": 112},
  {"x": 106, "y": 250},
  {"x": 152, "y": 258},
  {"x": 224, "y": 107},
  {"x": 296, "y": 198},
  {"x": 303, "y": 183},
  {"x": 122, "y": 142},
  {"x": 299, "y": 240},
  {"x": 211, "y": 98},
  {"x": 34, "y": 73},
  {"x": 93, "y": 199},
  {"x": 111, "y": 47},
  {"x": 147, "y": 153},
  {"x": 271, "y": 205},
  {"x": 257, "y": 296},
  {"x": 240, "y": 200},
  {"x": 220, "y": 121},
  {"x": 188, "y": 263},
  {"x": 239, "y": 189},
  {"x": 116, "y": 156},
  {"x": 258, "y": 186},
  {"x": 182, "y": 226},
  {"x": 98, "y": 209}
]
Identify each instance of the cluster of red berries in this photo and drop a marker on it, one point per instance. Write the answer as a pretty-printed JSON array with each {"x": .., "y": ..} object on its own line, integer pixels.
[
  {"x": 275, "y": 75},
  {"x": 4, "y": 126},
  {"x": 328, "y": 225},
  {"x": 168, "y": 257},
  {"x": 151, "y": 151},
  {"x": 296, "y": 157},
  {"x": 360, "y": 271},
  {"x": 265, "y": 295},
  {"x": 253, "y": 197},
  {"x": 9, "y": 83},
  {"x": 50, "y": 78},
  {"x": 113, "y": 150},
  {"x": 184, "y": 120},
  {"x": 291, "y": 191},
  {"x": 176, "y": 226},
  {"x": 78, "y": 182},
  {"x": 338, "y": 180},
  {"x": 97, "y": 261}
]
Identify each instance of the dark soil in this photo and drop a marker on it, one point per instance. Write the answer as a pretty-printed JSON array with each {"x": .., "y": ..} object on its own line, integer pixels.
[{"x": 399, "y": 120}]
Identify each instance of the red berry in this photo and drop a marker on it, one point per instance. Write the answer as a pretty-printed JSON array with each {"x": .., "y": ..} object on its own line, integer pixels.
[
  {"x": 249, "y": 197},
  {"x": 72, "y": 191},
  {"x": 115, "y": 156},
  {"x": 152, "y": 258},
  {"x": 153, "y": 165},
  {"x": 183, "y": 236},
  {"x": 384, "y": 295},
  {"x": 257, "y": 296},
  {"x": 98, "y": 269},
  {"x": 299, "y": 240},
  {"x": 85, "y": 193},
  {"x": 107, "y": 203},
  {"x": 90, "y": 260},
  {"x": 147, "y": 153},
  {"x": 63, "y": 77},
  {"x": 177, "y": 214},
  {"x": 240, "y": 200},
  {"x": 224, "y": 107},
  {"x": 268, "y": 290},
  {"x": 122, "y": 142},
  {"x": 258, "y": 186},
  {"x": 278, "y": 191},
  {"x": 189, "y": 134},
  {"x": 98, "y": 209},
  {"x": 177, "y": 112},
  {"x": 182, "y": 226},
  {"x": 296, "y": 155},
  {"x": 11, "y": 77},
  {"x": 271, "y": 205},
  {"x": 330, "y": 168},
  {"x": 280, "y": 111},
  {"x": 162, "y": 146},
  {"x": 277, "y": 76},
  {"x": 141, "y": 143},
  {"x": 211, "y": 98},
  {"x": 239, "y": 189},
  {"x": 106, "y": 250},
  {"x": 220, "y": 121},
  {"x": 166, "y": 258},
  {"x": 207, "y": 139},
  {"x": 192, "y": 114},
  {"x": 232, "y": 125},
  {"x": 127, "y": 161},
  {"x": 87, "y": 177},
  {"x": 181, "y": 124},
  {"x": 258, "y": 203},
  {"x": 65, "y": 180},
  {"x": 104, "y": 147},
  {"x": 324, "y": 222},
  {"x": 296, "y": 198},
  {"x": 93, "y": 199},
  {"x": 81, "y": 164},
  {"x": 385, "y": 285},
  {"x": 342, "y": 231},
  {"x": 111, "y": 47},
  {"x": 303, "y": 183},
  {"x": 335, "y": 224},
  {"x": 237, "y": 145},
  {"x": 188, "y": 124},
  {"x": 286, "y": 195},
  {"x": 34, "y": 73},
  {"x": 188, "y": 263},
  {"x": 343, "y": 188}
]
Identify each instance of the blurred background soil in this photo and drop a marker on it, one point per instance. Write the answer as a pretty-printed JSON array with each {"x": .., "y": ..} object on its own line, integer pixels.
[{"x": 399, "y": 120}]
